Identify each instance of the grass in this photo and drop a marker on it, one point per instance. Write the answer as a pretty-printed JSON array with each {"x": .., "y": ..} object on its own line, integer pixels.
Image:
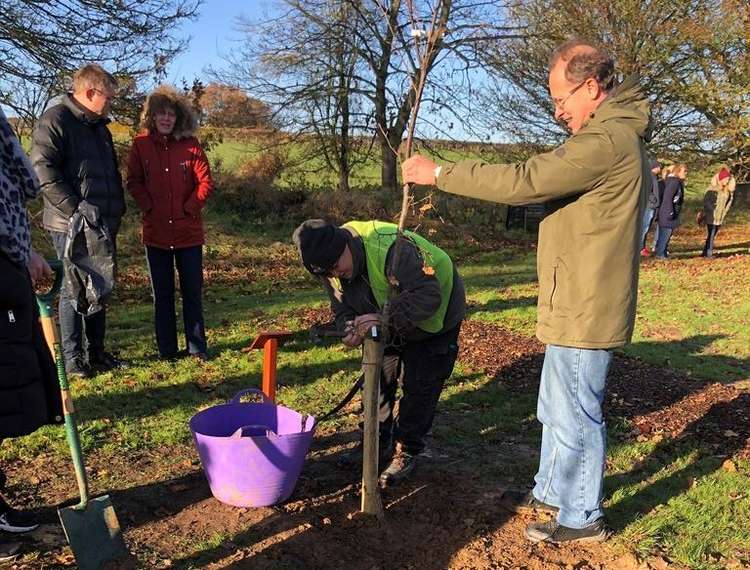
[
  {"x": 692, "y": 316},
  {"x": 313, "y": 172}
]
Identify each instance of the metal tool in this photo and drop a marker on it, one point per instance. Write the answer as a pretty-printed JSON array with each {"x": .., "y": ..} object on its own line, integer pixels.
[
  {"x": 91, "y": 526},
  {"x": 319, "y": 332}
]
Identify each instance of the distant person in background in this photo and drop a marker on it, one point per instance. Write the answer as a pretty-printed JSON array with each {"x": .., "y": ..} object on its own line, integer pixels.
[
  {"x": 670, "y": 208},
  {"x": 170, "y": 179},
  {"x": 716, "y": 204},
  {"x": 652, "y": 206},
  {"x": 74, "y": 157},
  {"x": 29, "y": 394}
]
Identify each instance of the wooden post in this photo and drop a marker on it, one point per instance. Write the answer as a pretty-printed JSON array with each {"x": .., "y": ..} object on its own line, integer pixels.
[{"x": 372, "y": 363}]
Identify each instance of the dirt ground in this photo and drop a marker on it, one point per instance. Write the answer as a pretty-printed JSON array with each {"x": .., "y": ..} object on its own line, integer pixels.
[{"x": 443, "y": 518}]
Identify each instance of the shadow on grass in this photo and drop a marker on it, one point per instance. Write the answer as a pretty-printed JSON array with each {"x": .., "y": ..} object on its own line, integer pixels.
[
  {"x": 705, "y": 436},
  {"x": 152, "y": 400},
  {"x": 500, "y": 279},
  {"x": 692, "y": 356},
  {"x": 500, "y": 305}
]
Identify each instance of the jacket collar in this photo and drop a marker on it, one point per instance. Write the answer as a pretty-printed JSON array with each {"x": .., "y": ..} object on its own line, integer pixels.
[
  {"x": 357, "y": 247},
  {"x": 627, "y": 104},
  {"x": 81, "y": 113},
  {"x": 161, "y": 139}
]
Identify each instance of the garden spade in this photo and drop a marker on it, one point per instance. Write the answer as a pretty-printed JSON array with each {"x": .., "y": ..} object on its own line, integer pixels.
[{"x": 91, "y": 526}]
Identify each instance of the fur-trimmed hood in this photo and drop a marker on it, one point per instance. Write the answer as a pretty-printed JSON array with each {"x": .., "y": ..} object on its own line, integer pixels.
[{"x": 187, "y": 119}]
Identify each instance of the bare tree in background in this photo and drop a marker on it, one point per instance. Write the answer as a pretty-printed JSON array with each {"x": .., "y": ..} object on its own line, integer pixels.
[
  {"x": 693, "y": 59},
  {"x": 388, "y": 30},
  {"x": 302, "y": 64},
  {"x": 41, "y": 43},
  {"x": 342, "y": 70}
]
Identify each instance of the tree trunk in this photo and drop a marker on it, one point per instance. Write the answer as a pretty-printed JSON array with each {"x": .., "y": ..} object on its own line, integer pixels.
[
  {"x": 388, "y": 170},
  {"x": 343, "y": 179}
]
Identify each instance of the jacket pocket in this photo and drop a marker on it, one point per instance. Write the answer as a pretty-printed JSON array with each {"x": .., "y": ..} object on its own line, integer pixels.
[{"x": 553, "y": 290}]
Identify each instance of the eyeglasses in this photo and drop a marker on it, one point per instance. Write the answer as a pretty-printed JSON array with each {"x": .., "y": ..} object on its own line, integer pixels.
[
  {"x": 104, "y": 95},
  {"x": 559, "y": 102}
]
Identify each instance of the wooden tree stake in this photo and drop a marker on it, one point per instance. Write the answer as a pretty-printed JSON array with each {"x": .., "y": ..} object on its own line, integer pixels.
[{"x": 372, "y": 364}]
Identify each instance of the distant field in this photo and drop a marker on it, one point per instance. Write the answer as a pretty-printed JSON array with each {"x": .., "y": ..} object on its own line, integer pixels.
[{"x": 230, "y": 154}]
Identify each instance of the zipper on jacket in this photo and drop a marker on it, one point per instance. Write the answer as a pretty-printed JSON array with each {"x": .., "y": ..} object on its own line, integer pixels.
[{"x": 99, "y": 136}]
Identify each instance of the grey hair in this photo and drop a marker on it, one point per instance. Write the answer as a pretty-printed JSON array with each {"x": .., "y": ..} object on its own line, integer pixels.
[
  {"x": 584, "y": 60},
  {"x": 94, "y": 76}
]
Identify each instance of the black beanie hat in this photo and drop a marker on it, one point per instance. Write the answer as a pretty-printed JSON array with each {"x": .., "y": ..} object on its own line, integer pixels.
[{"x": 320, "y": 245}]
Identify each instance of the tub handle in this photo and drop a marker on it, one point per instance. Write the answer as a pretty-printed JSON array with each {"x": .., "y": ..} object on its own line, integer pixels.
[
  {"x": 239, "y": 432},
  {"x": 246, "y": 391}
]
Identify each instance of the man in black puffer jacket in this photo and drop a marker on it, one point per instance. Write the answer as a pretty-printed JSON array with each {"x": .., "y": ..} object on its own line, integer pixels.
[{"x": 75, "y": 160}]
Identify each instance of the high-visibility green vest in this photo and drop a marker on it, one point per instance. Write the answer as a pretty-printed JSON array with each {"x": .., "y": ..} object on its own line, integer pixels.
[{"x": 378, "y": 237}]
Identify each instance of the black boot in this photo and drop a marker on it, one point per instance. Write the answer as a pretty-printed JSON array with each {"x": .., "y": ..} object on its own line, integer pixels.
[
  {"x": 401, "y": 466},
  {"x": 105, "y": 361}
]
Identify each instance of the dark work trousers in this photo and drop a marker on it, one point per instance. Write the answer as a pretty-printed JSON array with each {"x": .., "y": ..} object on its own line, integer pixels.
[
  {"x": 708, "y": 249},
  {"x": 421, "y": 368},
  {"x": 161, "y": 266},
  {"x": 74, "y": 326}
]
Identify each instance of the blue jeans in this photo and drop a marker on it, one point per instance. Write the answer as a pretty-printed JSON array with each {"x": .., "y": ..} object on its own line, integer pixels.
[
  {"x": 665, "y": 234},
  {"x": 74, "y": 326},
  {"x": 161, "y": 266},
  {"x": 648, "y": 216},
  {"x": 571, "y": 465},
  {"x": 708, "y": 249}
]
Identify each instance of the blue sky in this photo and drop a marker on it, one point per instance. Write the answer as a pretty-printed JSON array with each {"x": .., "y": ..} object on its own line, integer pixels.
[{"x": 212, "y": 35}]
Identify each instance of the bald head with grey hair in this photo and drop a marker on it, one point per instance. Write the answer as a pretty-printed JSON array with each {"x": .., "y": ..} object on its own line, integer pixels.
[{"x": 583, "y": 60}]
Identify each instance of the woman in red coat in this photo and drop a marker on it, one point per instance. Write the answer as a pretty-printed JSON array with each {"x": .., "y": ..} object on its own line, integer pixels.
[{"x": 170, "y": 179}]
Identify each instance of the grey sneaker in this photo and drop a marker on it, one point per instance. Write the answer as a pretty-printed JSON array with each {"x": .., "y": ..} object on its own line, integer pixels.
[
  {"x": 8, "y": 549},
  {"x": 77, "y": 367},
  {"x": 556, "y": 533},
  {"x": 402, "y": 465},
  {"x": 14, "y": 521},
  {"x": 519, "y": 502}
]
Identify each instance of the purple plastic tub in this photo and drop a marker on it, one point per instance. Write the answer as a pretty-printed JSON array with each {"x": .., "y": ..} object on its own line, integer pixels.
[{"x": 251, "y": 453}]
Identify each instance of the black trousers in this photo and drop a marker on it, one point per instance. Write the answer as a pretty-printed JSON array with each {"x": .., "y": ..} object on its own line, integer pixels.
[
  {"x": 161, "y": 266},
  {"x": 421, "y": 369}
]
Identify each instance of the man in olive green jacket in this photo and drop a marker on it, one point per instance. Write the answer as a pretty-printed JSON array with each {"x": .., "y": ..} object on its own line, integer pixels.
[{"x": 595, "y": 186}]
